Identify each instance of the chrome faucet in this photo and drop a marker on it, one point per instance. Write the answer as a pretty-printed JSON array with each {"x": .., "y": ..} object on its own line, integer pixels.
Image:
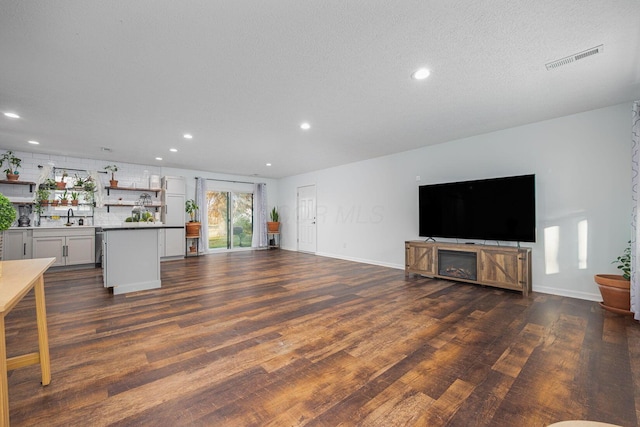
[{"x": 70, "y": 212}]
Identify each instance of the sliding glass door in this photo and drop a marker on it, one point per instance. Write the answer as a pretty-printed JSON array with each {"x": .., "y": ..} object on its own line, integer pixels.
[{"x": 230, "y": 215}]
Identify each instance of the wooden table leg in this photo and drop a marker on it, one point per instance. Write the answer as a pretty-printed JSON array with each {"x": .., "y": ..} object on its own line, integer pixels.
[
  {"x": 4, "y": 387},
  {"x": 43, "y": 335}
]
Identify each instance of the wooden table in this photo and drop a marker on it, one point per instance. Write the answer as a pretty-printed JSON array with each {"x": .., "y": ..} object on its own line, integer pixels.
[{"x": 17, "y": 279}]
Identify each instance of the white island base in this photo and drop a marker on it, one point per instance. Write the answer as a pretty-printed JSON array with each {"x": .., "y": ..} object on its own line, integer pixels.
[{"x": 131, "y": 259}]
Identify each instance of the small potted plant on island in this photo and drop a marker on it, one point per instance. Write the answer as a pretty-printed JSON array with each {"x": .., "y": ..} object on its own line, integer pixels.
[
  {"x": 615, "y": 288},
  {"x": 113, "y": 183},
  {"x": 13, "y": 163},
  {"x": 273, "y": 226}
]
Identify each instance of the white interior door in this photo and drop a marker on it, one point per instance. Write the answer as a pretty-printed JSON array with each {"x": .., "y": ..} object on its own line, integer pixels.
[{"x": 307, "y": 218}]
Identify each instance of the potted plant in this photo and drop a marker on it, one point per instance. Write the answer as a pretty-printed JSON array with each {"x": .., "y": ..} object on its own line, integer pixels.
[
  {"x": 49, "y": 184},
  {"x": 615, "y": 288},
  {"x": 273, "y": 226},
  {"x": 42, "y": 196},
  {"x": 61, "y": 185},
  {"x": 78, "y": 182},
  {"x": 74, "y": 198},
  {"x": 193, "y": 226},
  {"x": 7, "y": 215},
  {"x": 113, "y": 183},
  {"x": 63, "y": 199},
  {"x": 13, "y": 163}
]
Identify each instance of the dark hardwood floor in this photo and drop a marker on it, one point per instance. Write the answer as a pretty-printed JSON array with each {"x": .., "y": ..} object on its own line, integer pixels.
[{"x": 278, "y": 338}]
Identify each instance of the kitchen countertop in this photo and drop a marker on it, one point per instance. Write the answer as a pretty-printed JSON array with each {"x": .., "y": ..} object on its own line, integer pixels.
[
  {"x": 52, "y": 226},
  {"x": 134, "y": 226}
]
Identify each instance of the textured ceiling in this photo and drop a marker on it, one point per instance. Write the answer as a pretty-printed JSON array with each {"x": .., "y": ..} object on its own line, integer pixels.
[{"x": 242, "y": 75}]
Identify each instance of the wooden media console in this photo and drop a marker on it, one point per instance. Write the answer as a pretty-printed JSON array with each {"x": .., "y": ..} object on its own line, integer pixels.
[{"x": 504, "y": 267}]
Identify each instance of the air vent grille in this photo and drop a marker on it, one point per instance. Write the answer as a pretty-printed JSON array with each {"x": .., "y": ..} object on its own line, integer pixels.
[{"x": 575, "y": 57}]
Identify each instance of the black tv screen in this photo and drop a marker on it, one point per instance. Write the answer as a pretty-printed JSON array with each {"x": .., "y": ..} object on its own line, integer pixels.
[{"x": 487, "y": 209}]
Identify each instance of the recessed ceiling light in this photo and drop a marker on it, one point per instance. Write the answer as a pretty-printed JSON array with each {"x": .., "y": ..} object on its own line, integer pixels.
[
  {"x": 173, "y": 150},
  {"x": 305, "y": 126},
  {"x": 268, "y": 164},
  {"x": 158, "y": 158},
  {"x": 188, "y": 136},
  {"x": 34, "y": 142},
  {"x": 421, "y": 74},
  {"x": 12, "y": 115}
]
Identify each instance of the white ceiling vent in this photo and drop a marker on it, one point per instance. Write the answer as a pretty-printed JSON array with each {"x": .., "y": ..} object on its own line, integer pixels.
[{"x": 574, "y": 57}]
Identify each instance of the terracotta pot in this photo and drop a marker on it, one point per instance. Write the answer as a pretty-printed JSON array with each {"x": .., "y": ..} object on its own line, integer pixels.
[
  {"x": 64, "y": 202},
  {"x": 192, "y": 248},
  {"x": 273, "y": 227},
  {"x": 12, "y": 176},
  {"x": 74, "y": 202},
  {"x": 615, "y": 291},
  {"x": 44, "y": 202},
  {"x": 61, "y": 185},
  {"x": 192, "y": 229},
  {"x": 55, "y": 202},
  {"x": 113, "y": 183}
]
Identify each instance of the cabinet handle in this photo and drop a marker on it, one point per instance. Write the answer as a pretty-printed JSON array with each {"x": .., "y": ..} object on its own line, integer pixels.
[{"x": 24, "y": 249}]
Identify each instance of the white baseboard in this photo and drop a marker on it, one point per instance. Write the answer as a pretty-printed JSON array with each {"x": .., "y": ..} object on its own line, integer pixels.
[
  {"x": 567, "y": 293},
  {"x": 362, "y": 260}
]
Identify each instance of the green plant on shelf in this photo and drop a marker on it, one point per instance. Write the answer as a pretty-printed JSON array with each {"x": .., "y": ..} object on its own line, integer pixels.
[{"x": 13, "y": 163}]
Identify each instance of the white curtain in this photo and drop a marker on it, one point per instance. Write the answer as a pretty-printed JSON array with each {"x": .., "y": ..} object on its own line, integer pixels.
[
  {"x": 259, "y": 239},
  {"x": 635, "y": 225},
  {"x": 202, "y": 214}
]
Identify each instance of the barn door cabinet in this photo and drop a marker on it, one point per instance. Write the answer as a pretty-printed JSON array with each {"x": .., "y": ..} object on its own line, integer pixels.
[{"x": 505, "y": 267}]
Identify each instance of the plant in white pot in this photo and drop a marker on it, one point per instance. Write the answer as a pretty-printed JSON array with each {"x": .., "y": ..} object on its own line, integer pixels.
[{"x": 615, "y": 288}]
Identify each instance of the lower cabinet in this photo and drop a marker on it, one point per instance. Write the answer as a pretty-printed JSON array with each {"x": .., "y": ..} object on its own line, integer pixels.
[
  {"x": 16, "y": 244},
  {"x": 504, "y": 267},
  {"x": 68, "y": 246},
  {"x": 173, "y": 242}
]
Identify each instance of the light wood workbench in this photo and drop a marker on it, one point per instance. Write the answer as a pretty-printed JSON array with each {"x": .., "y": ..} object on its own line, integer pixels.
[{"x": 16, "y": 280}]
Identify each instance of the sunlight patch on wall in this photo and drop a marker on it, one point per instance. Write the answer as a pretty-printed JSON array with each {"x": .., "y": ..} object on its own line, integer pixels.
[
  {"x": 551, "y": 248},
  {"x": 583, "y": 232}
]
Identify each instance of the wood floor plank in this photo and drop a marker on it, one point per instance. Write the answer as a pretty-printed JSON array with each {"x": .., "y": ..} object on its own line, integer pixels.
[{"x": 272, "y": 338}]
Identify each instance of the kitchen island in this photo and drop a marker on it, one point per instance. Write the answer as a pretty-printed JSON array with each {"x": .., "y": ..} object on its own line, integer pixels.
[{"x": 131, "y": 257}]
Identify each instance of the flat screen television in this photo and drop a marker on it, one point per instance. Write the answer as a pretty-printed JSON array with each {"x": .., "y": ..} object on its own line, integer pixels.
[{"x": 487, "y": 209}]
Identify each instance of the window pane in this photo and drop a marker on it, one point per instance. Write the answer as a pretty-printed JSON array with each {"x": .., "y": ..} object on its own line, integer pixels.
[
  {"x": 242, "y": 219},
  {"x": 217, "y": 211}
]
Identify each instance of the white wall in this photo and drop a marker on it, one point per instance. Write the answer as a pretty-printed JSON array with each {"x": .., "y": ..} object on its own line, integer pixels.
[{"x": 366, "y": 210}]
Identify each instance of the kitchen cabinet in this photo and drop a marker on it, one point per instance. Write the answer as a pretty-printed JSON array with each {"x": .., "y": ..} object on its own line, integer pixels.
[
  {"x": 131, "y": 258},
  {"x": 72, "y": 246},
  {"x": 173, "y": 214},
  {"x": 16, "y": 244}
]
